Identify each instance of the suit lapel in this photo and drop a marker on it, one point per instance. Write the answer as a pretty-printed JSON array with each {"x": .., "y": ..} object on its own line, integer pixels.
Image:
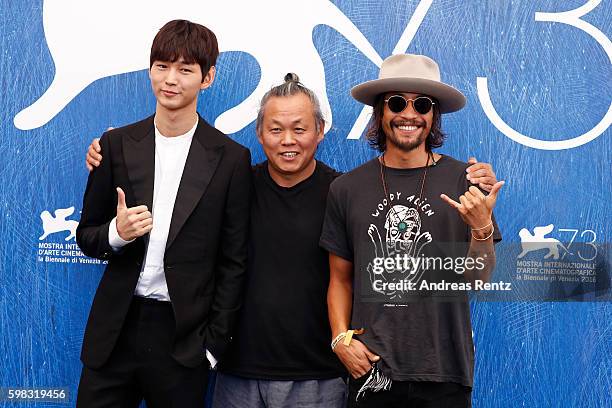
[
  {"x": 139, "y": 157},
  {"x": 202, "y": 161}
]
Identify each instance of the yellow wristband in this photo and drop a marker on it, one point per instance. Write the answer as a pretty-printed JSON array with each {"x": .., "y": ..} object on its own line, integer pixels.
[{"x": 349, "y": 336}]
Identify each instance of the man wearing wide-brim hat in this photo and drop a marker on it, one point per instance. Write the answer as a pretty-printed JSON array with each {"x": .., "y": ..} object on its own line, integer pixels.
[{"x": 401, "y": 325}]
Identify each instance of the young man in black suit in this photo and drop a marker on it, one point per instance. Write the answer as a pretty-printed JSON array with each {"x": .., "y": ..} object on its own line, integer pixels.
[{"x": 168, "y": 208}]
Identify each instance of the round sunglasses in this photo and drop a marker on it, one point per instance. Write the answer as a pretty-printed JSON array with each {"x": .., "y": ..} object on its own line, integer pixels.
[{"x": 421, "y": 104}]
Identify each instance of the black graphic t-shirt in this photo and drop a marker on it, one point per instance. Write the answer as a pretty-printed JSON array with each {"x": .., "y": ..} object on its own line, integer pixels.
[
  {"x": 283, "y": 330},
  {"x": 400, "y": 246}
]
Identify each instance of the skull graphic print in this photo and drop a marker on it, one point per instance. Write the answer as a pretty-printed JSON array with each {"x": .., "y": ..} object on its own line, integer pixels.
[{"x": 396, "y": 258}]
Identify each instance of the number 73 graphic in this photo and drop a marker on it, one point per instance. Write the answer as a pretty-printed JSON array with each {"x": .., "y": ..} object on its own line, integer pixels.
[{"x": 571, "y": 18}]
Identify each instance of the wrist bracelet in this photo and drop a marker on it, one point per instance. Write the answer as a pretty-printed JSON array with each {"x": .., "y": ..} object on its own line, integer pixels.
[
  {"x": 337, "y": 340},
  {"x": 487, "y": 237},
  {"x": 481, "y": 228},
  {"x": 349, "y": 336}
]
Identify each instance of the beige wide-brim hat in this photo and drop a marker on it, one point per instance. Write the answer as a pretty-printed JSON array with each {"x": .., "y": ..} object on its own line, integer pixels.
[{"x": 412, "y": 74}]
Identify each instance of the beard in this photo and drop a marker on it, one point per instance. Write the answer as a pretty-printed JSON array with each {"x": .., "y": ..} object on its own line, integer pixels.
[{"x": 407, "y": 145}]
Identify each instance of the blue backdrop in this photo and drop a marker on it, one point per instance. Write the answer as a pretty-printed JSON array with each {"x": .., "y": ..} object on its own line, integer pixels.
[{"x": 540, "y": 113}]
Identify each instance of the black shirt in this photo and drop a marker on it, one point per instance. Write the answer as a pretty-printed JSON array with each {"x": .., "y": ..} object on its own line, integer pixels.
[
  {"x": 283, "y": 331},
  {"x": 421, "y": 335}
]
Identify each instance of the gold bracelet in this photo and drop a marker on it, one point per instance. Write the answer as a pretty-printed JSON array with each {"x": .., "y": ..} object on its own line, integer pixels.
[
  {"x": 349, "y": 336},
  {"x": 487, "y": 237},
  {"x": 481, "y": 228}
]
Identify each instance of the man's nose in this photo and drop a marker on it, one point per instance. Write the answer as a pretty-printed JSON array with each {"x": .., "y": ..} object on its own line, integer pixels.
[
  {"x": 409, "y": 111},
  {"x": 287, "y": 138},
  {"x": 171, "y": 76}
]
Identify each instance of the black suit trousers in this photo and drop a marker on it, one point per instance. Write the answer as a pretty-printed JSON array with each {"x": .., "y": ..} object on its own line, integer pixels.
[{"x": 141, "y": 366}]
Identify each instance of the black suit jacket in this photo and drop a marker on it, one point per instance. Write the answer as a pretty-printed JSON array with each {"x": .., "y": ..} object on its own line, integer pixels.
[{"x": 206, "y": 251}]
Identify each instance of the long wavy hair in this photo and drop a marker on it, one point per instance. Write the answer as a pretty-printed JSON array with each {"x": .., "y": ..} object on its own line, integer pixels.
[{"x": 378, "y": 139}]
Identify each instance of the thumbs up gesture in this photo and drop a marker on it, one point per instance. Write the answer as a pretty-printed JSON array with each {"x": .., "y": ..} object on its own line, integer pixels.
[
  {"x": 475, "y": 208},
  {"x": 132, "y": 222}
]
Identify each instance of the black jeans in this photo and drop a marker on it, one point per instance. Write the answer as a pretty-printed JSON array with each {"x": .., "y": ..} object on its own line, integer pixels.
[
  {"x": 411, "y": 394},
  {"x": 141, "y": 367}
]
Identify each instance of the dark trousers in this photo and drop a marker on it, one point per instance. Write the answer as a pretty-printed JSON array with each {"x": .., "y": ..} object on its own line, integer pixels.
[
  {"x": 412, "y": 394},
  {"x": 141, "y": 367}
]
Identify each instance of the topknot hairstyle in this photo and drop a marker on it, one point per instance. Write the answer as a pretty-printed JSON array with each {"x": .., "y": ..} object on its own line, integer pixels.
[{"x": 291, "y": 86}]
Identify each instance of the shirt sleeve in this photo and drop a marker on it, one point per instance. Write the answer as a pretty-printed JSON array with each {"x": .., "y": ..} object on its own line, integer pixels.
[
  {"x": 334, "y": 237},
  {"x": 114, "y": 240}
]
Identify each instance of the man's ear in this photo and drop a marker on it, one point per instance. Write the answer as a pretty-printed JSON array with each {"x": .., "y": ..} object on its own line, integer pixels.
[
  {"x": 321, "y": 134},
  {"x": 208, "y": 79}
]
